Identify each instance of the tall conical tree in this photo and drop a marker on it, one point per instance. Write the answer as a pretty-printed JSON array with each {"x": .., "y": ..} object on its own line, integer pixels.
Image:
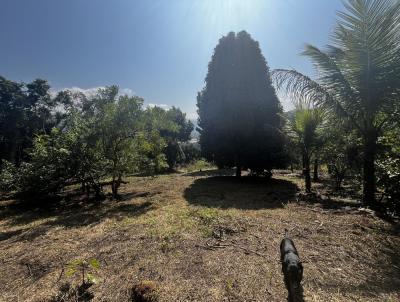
[{"x": 239, "y": 112}]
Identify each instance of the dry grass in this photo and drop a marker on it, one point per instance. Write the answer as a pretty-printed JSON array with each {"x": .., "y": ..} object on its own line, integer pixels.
[{"x": 200, "y": 238}]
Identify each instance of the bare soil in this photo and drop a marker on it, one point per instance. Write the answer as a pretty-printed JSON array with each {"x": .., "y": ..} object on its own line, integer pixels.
[{"x": 200, "y": 236}]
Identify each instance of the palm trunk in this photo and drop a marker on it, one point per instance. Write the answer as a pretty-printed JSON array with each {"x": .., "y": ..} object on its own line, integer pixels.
[
  {"x": 369, "y": 182},
  {"x": 315, "y": 176},
  {"x": 306, "y": 172}
]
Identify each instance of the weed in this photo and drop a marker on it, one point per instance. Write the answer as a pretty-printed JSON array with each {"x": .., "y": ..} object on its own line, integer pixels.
[{"x": 85, "y": 268}]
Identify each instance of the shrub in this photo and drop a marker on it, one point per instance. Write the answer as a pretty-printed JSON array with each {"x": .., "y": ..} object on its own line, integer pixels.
[
  {"x": 389, "y": 181},
  {"x": 8, "y": 176}
]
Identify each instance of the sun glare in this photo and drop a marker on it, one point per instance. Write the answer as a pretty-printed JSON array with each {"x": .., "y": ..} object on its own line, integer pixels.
[{"x": 232, "y": 14}]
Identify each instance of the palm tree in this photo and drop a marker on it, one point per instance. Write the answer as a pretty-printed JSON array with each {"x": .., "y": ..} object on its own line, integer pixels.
[
  {"x": 305, "y": 126},
  {"x": 358, "y": 75}
]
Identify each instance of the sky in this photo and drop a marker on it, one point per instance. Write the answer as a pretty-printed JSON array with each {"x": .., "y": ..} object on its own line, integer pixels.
[{"x": 156, "y": 49}]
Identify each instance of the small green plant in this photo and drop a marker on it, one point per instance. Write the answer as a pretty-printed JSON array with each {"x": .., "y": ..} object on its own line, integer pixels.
[
  {"x": 85, "y": 268},
  {"x": 229, "y": 284},
  {"x": 207, "y": 216}
]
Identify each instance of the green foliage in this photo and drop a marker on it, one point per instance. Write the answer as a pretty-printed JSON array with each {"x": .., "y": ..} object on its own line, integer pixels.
[
  {"x": 174, "y": 129},
  {"x": 341, "y": 151},
  {"x": 8, "y": 176},
  {"x": 25, "y": 111},
  {"x": 60, "y": 158},
  {"x": 117, "y": 122},
  {"x": 96, "y": 137},
  {"x": 199, "y": 165},
  {"x": 151, "y": 145},
  {"x": 239, "y": 112},
  {"x": 85, "y": 268},
  {"x": 49, "y": 168},
  {"x": 305, "y": 127},
  {"x": 358, "y": 75},
  {"x": 389, "y": 180},
  {"x": 191, "y": 151},
  {"x": 388, "y": 169}
]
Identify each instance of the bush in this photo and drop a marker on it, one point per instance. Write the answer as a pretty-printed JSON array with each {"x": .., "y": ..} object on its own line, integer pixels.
[
  {"x": 7, "y": 176},
  {"x": 389, "y": 181},
  {"x": 192, "y": 152}
]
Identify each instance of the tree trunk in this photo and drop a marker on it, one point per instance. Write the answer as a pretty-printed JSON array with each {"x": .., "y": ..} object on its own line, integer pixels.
[
  {"x": 303, "y": 162},
  {"x": 315, "y": 176},
  {"x": 98, "y": 192},
  {"x": 369, "y": 183},
  {"x": 306, "y": 172},
  {"x": 238, "y": 171},
  {"x": 114, "y": 187},
  {"x": 116, "y": 183}
]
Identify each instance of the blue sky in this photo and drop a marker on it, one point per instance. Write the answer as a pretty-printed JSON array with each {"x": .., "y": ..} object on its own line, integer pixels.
[{"x": 157, "y": 49}]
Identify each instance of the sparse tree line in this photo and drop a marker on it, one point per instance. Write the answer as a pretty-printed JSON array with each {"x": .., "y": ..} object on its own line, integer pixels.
[
  {"x": 346, "y": 119},
  {"x": 50, "y": 142}
]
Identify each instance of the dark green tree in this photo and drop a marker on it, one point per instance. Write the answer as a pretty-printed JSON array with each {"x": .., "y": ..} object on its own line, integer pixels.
[
  {"x": 25, "y": 111},
  {"x": 239, "y": 112},
  {"x": 174, "y": 152}
]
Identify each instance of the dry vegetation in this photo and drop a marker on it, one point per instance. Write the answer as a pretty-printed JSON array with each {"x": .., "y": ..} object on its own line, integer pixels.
[{"x": 200, "y": 237}]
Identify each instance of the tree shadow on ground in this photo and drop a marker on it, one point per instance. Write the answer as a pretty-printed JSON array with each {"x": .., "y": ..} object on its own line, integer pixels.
[
  {"x": 68, "y": 213},
  {"x": 212, "y": 172},
  {"x": 327, "y": 202},
  {"x": 244, "y": 193},
  {"x": 350, "y": 188}
]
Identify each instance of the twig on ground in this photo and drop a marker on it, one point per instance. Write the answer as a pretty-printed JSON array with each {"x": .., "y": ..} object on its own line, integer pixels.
[
  {"x": 29, "y": 269},
  {"x": 61, "y": 273},
  {"x": 251, "y": 251}
]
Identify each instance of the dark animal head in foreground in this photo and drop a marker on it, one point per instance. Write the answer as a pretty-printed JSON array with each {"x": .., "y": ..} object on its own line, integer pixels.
[{"x": 291, "y": 266}]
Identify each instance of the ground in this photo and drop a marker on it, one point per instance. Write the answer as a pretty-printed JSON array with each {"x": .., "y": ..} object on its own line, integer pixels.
[{"x": 200, "y": 237}]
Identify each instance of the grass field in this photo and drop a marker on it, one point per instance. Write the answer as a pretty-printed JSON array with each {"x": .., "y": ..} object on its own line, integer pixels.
[{"x": 200, "y": 236}]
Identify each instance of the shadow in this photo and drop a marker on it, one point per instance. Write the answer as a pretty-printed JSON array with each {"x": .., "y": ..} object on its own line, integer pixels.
[
  {"x": 95, "y": 214},
  {"x": 213, "y": 172},
  {"x": 79, "y": 293},
  {"x": 155, "y": 174},
  {"x": 350, "y": 188},
  {"x": 73, "y": 211},
  {"x": 244, "y": 193},
  {"x": 328, "y": 203},
  {"x": 7, "y": 235}
]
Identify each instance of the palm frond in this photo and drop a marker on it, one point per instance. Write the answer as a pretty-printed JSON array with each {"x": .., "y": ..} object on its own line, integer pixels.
[
  {"x": 368, "y": 34},
  {"x": 299, "y": 86},
  {"x": 333, "y": 80}
]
